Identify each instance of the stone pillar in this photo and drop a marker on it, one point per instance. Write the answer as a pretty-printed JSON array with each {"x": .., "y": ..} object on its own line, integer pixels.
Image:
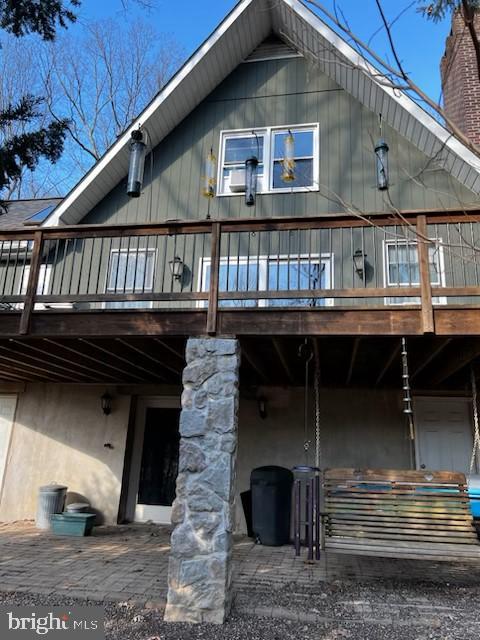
[{"x": 199, "y": 574}]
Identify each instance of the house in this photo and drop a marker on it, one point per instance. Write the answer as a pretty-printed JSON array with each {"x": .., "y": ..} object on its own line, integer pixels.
[{"x": 168, "y": 344}]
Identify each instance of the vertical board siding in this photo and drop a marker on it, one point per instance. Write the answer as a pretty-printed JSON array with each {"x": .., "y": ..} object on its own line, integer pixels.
[{"x": 280, "y": 92}]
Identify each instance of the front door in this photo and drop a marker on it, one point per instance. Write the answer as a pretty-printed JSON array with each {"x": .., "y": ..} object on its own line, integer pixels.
[
  {"x": 156, "y": 459},
  {"x": 444, "y": 436},
  {"x": 7, "y": 412}
]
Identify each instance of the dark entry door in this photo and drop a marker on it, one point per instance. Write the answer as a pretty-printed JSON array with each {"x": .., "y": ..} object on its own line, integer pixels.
[{"x": 159, "y": 466}]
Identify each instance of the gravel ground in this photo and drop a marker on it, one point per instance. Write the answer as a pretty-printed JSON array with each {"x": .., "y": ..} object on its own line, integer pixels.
[{"x": 392, "y": 611}]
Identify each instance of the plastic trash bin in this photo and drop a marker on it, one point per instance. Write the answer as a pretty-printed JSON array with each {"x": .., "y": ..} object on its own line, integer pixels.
[
  {"x": 51, "y": 499},
  {"x": 271, "y": 505}
]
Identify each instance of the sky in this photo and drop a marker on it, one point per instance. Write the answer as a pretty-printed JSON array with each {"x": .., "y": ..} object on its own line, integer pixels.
[{"x": 420, "y": 43}]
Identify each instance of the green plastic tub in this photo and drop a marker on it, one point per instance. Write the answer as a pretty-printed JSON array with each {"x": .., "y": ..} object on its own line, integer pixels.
[{"x": 72, "y": 524}]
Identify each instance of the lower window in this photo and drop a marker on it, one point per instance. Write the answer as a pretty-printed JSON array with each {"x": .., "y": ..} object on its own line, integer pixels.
[{"x": 273, "y": 274}]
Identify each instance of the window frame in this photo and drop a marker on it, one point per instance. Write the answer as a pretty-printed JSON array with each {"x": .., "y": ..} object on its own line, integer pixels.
[
  {"x": 390, "y": 301},
  {"x": 262, "y": 261},
  {"x": 268, "y": 157},
  {"x": 123, "y": 304}
]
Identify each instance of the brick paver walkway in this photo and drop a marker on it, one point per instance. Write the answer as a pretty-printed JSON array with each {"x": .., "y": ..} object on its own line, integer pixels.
[{"x": 130, "y": 563}]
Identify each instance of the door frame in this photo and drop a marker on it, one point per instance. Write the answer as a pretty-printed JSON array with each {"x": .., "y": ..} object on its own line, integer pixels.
[
  {"x": 6, "y": 455},
  {"x": 466, "y": 399},
  {"x": 144, "y": 403}
]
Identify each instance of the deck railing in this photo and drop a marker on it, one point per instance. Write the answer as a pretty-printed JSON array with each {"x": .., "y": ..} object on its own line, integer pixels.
[{"x": 418, "y": 261}]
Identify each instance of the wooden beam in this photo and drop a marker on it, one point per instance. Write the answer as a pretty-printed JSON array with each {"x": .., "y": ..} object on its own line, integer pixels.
[
  {"x": 169, "y": 348},
  {"x": 427, "y": 359},
  {"x": 146, "y": 355},
  {"x": 31, "y": 369},
  {"x": 353, "y": 357},
  {"x": 424, "y": 268},
  {"x": 388, "y": 363},
  {"x": 214, "y": 279},
  {"x": 82, "y": 353},
  {"x": 50, "y": 354},
  {"x": 462, "y": 356},
  {"x": 65, "y": 371},
  {"x": 255, "y": 363},
  {"x": 281, "y": 356},
  {"x": 112, "y": 354},
  {"x": 35, "y": 263}
]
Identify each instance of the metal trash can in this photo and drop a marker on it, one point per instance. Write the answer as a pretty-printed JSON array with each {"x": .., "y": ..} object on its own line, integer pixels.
[
  {"x": 271, "y": 505},
  {"x": 51, "y": 499}
]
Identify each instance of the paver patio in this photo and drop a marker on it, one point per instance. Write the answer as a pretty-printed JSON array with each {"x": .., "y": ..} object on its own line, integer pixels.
[{"x": 129, "y": 564}]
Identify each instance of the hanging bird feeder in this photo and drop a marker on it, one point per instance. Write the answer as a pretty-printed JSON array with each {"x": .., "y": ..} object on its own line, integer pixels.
[
  {"x": 138, "y": 150},
  {"x": 288, "y": 162},
  {"x": 251, "y": 165},
  {"x": 381, "y": 153},
  {"x": 209, "y": 180}
]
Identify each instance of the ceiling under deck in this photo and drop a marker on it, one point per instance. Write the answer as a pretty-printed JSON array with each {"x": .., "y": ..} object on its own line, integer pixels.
[{"x": 435, "y": 363}]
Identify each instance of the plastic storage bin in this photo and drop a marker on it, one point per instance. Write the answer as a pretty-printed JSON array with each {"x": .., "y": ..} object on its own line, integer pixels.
[{"x": 73, "y": 524}]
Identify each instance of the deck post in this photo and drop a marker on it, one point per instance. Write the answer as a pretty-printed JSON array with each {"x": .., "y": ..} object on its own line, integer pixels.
[
  {"x": 199, "y": 574},
  {"x": 35, "y": 264},
  {"x": 425, "y": 285},
  {"x": 212, "y": 312}
]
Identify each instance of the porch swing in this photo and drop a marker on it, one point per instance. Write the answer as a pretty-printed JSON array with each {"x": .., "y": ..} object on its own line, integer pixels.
[{"x": 416, "y": 514}]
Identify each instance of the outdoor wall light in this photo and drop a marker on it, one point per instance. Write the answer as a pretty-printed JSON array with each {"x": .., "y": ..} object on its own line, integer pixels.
[
  {"x": 381, "y": 153},
  {"x": 359, "y": 260},
  {"x": 251, "y": 165},
  {"x": 136, "y": 165},
  {"x": 176, "y": 267},
  {"x": 106, "y": 401},
  {"x": 262, "y": 407}
]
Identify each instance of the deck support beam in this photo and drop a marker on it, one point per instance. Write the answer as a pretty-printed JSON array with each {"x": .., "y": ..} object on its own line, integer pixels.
[{"x": 199, "y": 574}]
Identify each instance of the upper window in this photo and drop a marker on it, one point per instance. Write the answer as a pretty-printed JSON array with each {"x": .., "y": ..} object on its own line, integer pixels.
[{"x": 268, "y": 145}]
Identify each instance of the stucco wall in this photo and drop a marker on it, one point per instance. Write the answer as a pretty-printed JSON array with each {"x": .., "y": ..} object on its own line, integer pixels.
[
  {"x": 59, "y": 436},
  {"x": 359, "y": 427}
]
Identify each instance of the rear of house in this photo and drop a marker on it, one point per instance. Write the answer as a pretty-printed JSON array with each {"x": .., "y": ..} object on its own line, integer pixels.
[{"x": 165, "y": 346}]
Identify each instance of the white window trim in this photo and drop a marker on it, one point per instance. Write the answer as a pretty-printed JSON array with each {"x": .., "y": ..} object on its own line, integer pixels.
[
  {"x": 149, "y": 304},
  {"x": 262, "y": 260},
  {"x": 268, "y": 149},
  {"x": 442, "y": 300}
]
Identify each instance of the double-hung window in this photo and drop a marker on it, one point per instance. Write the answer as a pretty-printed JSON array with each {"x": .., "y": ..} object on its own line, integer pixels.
[
  {"x": 268, "y": 146},
  {"x": 130, "y": 271},
  {"x": 402, "y": 268},
  {"x": 273, "y": 274}
]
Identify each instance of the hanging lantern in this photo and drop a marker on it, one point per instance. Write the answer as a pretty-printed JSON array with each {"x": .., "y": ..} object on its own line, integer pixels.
[
  {"x": 209, "y": 179},
  {"x": 251, "y": 165},
  {"x": 288, "y": 162},
  {"x": 136, "y": 166},
  {"x": 381, "y": 153}
]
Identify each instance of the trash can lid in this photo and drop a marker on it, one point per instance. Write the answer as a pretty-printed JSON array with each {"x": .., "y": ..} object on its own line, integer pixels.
[
  {"x": 52, "y": 488},
  {"x": 76, "y": 506}
]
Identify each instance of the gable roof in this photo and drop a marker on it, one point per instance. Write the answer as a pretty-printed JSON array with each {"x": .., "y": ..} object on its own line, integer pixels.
[{"x": 240, "y": 33}]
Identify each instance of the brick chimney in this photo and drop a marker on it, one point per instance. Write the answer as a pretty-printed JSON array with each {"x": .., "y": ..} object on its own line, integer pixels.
[{"x": 460, "y": 83}]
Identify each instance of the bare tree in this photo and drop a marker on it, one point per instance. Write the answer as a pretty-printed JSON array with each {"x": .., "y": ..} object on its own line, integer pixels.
[{"x": 102, "y": 80}]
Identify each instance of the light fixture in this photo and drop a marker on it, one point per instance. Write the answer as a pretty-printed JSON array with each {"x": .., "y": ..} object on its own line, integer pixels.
[
  {"x": 106, "y": 401},
  {"x": 209, "y": 180},
  {"x": 288, "y": 162},
  {"x": 262, "y": 407},
  {"x": 251, "y": 165},
  {"x": 359, "y": 261},
  {"x": 136, "y": 165},
  {"x": 381, "y": 153},
  {"x": 176, "y": 267}
]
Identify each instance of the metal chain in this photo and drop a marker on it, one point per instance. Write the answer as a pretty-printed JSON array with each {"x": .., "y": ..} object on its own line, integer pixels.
[
  {"x": 476, "y": 428},
  {"x": 317, "y": 404}
]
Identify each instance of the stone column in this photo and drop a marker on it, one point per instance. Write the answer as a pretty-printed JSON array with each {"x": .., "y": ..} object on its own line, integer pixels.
[{"x": 199, "y": 574}]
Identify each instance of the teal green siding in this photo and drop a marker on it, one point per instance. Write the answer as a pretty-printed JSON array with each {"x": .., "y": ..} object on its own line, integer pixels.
[{"x": 280, "y": 92}]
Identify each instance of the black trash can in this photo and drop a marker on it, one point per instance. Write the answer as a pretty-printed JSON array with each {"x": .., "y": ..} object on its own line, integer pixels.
[{"x": 271, "y": 505}]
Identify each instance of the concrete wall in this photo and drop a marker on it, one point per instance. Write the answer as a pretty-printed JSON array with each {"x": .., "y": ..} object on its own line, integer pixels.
[
  {"x": 359, "y": 428},
  {"x": 59, "y": 436}
]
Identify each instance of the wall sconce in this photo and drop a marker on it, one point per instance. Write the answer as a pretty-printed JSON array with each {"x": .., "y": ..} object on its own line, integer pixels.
[
  {"x": 106, "y": 401},
  {"x": 262, "y": 407},
  {"x": 359, "y": 260},
  {"x": 251, "y": 165},
  {"x": 381, "y": 153},
  {"x": 176, "y": 267},
  {"x": 136, "y": 165}
]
